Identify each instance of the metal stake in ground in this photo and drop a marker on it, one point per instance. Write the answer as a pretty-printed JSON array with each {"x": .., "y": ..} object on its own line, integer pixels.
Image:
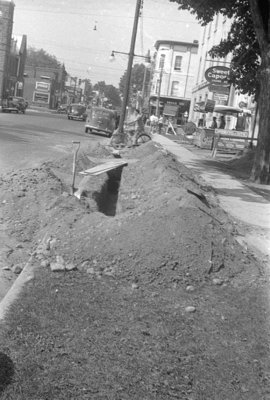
[{"x": 74, "y": 163}]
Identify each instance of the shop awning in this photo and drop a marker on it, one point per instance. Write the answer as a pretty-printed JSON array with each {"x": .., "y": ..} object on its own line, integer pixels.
[
  {"x": 170, "y": 109},
  {"x": 228, "y": 110}
]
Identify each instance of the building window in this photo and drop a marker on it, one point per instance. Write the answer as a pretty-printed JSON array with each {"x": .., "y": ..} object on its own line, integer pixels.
[
  {"x": 178, "y": 63},
  {"x": 161, "y": 61},
  {"x": 175, "y": 88},
  {"x": 204, "y": 65},
  {"x": 204, "y": 33},
  {"x": 216, "y": 22},
  {"x": 209, "y": 29},
  {"x": 157, "y": 86},
  {"x": 199, "y": 70}
]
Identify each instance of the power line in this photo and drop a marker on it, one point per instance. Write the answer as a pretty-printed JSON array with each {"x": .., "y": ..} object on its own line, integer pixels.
[{"x": 100, "y": 15}]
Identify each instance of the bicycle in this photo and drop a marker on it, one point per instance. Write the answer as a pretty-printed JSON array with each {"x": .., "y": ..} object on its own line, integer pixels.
[{"x": 142, "y": 138}]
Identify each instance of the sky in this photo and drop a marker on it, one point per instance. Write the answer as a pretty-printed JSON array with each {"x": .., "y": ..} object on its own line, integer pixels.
[{"x": 65, "y": 29}]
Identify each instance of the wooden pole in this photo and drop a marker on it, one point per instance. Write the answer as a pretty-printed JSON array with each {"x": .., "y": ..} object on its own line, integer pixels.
[{"x": 129, "y": 70}]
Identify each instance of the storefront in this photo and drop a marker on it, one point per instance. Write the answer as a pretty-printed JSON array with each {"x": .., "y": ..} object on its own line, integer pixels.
[
  {"x": 231, "y": 132},
  {"x": 170, "y": 107}
]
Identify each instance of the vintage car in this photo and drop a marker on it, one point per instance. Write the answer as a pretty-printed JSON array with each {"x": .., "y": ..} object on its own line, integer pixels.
[
  {"x": 14, "y": 104},
  {"x": 62, "y": 109},
  {"x": 77, "y": 111},
  {"x": 100, "y": 119}
]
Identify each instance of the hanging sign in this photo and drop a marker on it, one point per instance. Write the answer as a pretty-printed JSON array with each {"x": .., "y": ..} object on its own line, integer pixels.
[{"x": 218, "y": 75}]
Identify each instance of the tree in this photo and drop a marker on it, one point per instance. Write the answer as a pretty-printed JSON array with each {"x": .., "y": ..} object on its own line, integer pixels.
[
  {"x": 112, "y": 94},
  {"x": 88, "y": 90},
  {"x": 137, "y": 78},
  {"x": 108, "y": 91},
  {"x": 40, "y": 58},
  {"x": 249, "y": 43}
]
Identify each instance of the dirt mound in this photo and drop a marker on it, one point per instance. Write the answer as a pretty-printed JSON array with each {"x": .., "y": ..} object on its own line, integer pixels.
[
  {"x": 151, "y": 211},
  {"x": 173, "y": 296}
]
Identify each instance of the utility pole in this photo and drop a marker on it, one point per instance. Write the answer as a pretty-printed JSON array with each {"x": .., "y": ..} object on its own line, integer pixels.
[{"x": 129, "y": 69}]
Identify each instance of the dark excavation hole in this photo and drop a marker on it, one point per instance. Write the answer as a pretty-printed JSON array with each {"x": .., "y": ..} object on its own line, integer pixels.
[
  {"x": 107, "y": 198},
  {"x": 6, "y": 371}
]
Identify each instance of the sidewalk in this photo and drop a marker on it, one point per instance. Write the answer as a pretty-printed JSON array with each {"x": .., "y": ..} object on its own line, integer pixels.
[{"x": 251, "y": 210}]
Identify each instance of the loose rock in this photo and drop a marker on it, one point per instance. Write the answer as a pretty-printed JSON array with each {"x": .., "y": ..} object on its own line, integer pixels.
[
  {"x": 70, "y": 267},
  {"x": 217, "y": 281},
  {"x": 45, "y": 263},
  {"x": 59, "y": 265},
  {"x": 17, "y": 269},
  {"x": 190, "y": 309},
  {"x": 134, "y": 286}
]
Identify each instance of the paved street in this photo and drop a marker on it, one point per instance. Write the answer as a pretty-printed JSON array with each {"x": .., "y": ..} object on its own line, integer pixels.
[{"x": 26, "y": 140}]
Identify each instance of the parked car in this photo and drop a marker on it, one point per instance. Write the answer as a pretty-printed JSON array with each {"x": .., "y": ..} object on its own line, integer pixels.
[
  {"x": 14, "y": 104},
  {"x": 101, "y": 119},
  {"x": 77, "y": 111},
  {"x": 62, "y": 109}
]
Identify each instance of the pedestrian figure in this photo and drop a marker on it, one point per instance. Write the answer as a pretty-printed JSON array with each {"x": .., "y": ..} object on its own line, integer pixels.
[
  {"x": 153, "y": 123},
  {"x": 160, "y": 124},
  {"x": 138, "y": 125},
  {"x": 222, "y": 122},
  {"x": 214, "y": 123}
]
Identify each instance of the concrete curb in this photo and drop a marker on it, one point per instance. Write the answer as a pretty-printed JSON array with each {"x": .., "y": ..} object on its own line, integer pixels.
[{"x": 25, "y": 276}]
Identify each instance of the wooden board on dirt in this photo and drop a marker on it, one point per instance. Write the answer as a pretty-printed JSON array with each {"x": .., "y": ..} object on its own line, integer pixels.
[{"x": 105, "y": 167}]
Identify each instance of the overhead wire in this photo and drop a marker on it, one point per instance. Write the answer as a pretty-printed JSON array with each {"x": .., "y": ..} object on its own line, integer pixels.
[{"x": 113, "y": 16}]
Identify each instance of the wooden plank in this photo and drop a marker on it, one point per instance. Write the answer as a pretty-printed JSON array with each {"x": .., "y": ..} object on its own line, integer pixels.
[{"x": 99, "y": 169}]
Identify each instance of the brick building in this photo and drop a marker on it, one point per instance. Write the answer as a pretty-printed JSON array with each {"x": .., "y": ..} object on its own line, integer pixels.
[
  {"x": 17, "y": 58},
  {"x": 6, "y": 25},
  {"x": 44, "y": 86}
]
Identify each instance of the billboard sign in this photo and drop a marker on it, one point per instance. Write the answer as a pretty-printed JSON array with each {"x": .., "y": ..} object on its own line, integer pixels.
[
  {"x": 219, "y": 89},
  {"x": 218, "y": 75},
  {"x": 43, "y": 86}
]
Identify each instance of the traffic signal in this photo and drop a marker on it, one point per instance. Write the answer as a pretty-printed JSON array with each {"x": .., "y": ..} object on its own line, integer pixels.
[{"x": 80, "y": 81}]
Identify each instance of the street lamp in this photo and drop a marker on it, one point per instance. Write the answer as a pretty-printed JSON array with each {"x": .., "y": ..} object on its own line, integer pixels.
[
  {"x": 147, "y": 57},
  {"x": 147, "y": 64}
]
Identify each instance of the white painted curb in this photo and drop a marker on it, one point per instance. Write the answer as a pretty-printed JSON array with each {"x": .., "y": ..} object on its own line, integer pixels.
[{"x": 25, "y": 276}]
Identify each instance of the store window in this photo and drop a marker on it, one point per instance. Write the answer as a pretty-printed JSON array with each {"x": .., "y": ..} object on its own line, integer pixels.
[
  {"x": 175, "y": 88},
  {"x": 178, "y": 63}
]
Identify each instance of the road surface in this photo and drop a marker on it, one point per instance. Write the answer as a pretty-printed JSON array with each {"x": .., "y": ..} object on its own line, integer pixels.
[{"x": 29, "y": 139}]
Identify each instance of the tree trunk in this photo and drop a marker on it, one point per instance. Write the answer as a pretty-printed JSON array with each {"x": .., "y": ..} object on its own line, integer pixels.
[
  {"x": 260, "y": 13},
  {"x": 261, "y": 167}
]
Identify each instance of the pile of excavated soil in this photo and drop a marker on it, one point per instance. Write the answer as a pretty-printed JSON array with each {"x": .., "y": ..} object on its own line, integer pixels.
[{"x": 162, "y": 255}]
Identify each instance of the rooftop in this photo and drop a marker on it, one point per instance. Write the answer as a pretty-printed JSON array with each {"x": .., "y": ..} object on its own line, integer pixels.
[{"x": 195, "y": 43}]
